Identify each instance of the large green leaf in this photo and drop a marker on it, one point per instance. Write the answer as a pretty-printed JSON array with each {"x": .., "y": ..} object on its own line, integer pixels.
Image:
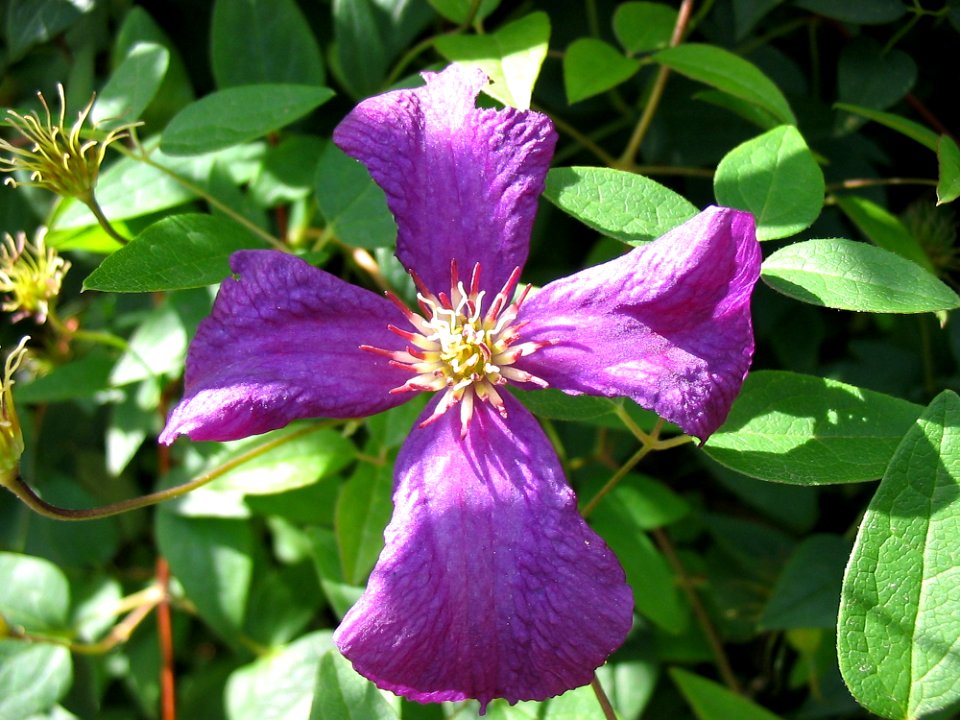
[
  {"x": 213, "y": 560},
  {"x": 591, "y": 66},
  {"x": 354, "y": 206},
  {"x": 342, "y": 694},
  {"x": 34, "y": 593},
  {"x": 619, "y": 204},
  {"x": 263, "y": 41},
  {"x": 280, "y": 684},
  {"x": 294, "y": 457},
  {"x": 32, "y": 678},
  {"x": 711, "y": 701},
  {"x": 31, "y": 22},
  {"x": 363, "y": 511},
  {"x": 883, "y": 228},
  {"x": 872, "y": 76},
  {"x": 899, "y": 622},
  {"x": 178, "y": 252},
  {"x": 850, "y": 275},
  {"x": 237, "y": 115},
  {"x": 511, "y": 57},
  {"x": 776, "y": 177},
  {"x": 806, "y": 430},
  {"x": 730, "y": 73},
  {"x": 132, "y": 86}
]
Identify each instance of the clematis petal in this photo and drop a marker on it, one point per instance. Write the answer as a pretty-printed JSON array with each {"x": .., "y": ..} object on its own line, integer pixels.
[
  {"x": 282, "y": 343},
  {"x": 490, "y": 584},
  {"x": 462, "y": 182},
  {"x": 667, "y": 325}
]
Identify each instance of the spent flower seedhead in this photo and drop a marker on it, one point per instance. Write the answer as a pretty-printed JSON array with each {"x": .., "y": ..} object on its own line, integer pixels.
[
  {"x": 57, "y": 158},
  {"x": 11, "y": 437},
  {"x": 30, "y": 276}
]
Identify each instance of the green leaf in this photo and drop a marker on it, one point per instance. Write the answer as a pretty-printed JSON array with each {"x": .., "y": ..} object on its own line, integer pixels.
[
  {"x": 353, "y": 205},
  {"x": 883, "y": 229},
  {"x": 156, "y": 348},
  {"x": 915, "y": 131},
  {"x": 861, "y": 12},
  {"x": 948, "y": 156},
  {"x": 511, "y": 57},
  {"x": 458, "y": 11},
  {"x": 280, "y": 684},
  {"x": 649, "y": 575},
  {"x": 591, "y": 67},
  {"x": 31, "y": 22},
  {"x": 619, "y": 204},
  {"x": 294, "y": 457},
  {"x": 747, "y": 13},
  {"x": 849, "y": 275},
  {"x": 263, "y": 41},
  {"x": 81, "y": 378},
  {"x": 212, "y": 559},
  {"x": 178, "y": 252},
  {"x": 807, "y": 593},
  {"x": 727, "y": 72},
  {"x": 805, "y": 430},
  {"x": 288, "y": 171},
  {"x": 342, "y": 694},
  {"x": 132, "y": 86},
  {"x": 868, "y": 75},
  {"x": 237, "y": 115},
  {"x": 363, "y": 511},
  {"x": 776, "y": 177},
  {"x": 556, "y": 405},
  {"x": 33, "y": 678},
  {"x": 711, "y": 701},
  {"x": 898, "y": 624},
  {"x": 34, "y": 594},
  {"x": 643, "y": 26}
]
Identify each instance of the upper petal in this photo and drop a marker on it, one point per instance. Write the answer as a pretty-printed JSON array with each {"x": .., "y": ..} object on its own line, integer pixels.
[
  {"x": 462, "y": 182},
  {"x": 667, "y": 324},
  {"x": 490, "y": 584},
  {"x": 282, "y": 343}
]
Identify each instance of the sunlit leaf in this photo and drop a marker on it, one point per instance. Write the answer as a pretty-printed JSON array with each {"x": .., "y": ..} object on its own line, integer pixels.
[
  {"x": 776, "y": 177},
  {"x": 806, "y": 430},
  {"x": 850, "y": 275},
  {"x": 591, "y": 67},
  {"x": 898, "y": 625}
]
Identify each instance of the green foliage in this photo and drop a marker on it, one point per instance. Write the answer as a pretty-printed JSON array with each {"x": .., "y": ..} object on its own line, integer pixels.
[{"x": 828, "y": 120}]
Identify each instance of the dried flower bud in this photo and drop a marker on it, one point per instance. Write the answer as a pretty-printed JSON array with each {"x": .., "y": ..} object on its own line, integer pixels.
[
  {"x": 11, "y": 437},
  {"x": 30, "y": 275},
  {"x": 58, "y": 159}
]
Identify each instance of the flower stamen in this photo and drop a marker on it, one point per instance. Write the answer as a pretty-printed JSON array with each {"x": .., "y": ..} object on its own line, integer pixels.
[{"x": 460, "y": 349}]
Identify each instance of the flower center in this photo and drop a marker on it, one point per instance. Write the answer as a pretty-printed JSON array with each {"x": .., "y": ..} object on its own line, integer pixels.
[{"x": 461, "y": 348}]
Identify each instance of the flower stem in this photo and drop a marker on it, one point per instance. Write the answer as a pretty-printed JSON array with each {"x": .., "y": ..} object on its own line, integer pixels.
[
  {"x": 699, "y": 611},
  {"x": 615, "y": 479},
  {"x": 629, "y": 156},
  {"x": 168, "y": 697},
  {"x": 23, "y": 491},
  {"x": 91, "y": 202},
  {"x": 608, "y": 712}
]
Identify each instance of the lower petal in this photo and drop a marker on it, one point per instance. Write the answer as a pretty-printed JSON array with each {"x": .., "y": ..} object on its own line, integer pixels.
[
  {"x": 283, "y": 343},
  {"x": 491, "y": 584},
  {"x": 667, "y": 324}
]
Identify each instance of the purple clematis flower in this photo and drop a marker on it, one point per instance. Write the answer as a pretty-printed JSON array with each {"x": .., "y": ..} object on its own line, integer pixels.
[{"x": 490, "y": 583}]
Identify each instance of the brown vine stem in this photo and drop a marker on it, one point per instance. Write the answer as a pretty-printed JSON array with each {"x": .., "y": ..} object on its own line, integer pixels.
[
  {"x": 628, "y": 159},
  {"x": 699, "y": 611},
  {"x": 608, "y": 712},
  {"x": 168, "y": 684},
  {"x": 854, "y": 183}
]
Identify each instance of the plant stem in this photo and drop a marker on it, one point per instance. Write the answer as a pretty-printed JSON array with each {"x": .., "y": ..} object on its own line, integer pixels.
[
  {"x": 23, "y": 491},
  {"x": 629, "y": 156},
  {"x": 608, "y": 712},
  {"x": 91, "y": 202},
  {"x": 615, "y": 479},
  {"x": 168, "y": 697},
  {"x": 699, "y": 611}
]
